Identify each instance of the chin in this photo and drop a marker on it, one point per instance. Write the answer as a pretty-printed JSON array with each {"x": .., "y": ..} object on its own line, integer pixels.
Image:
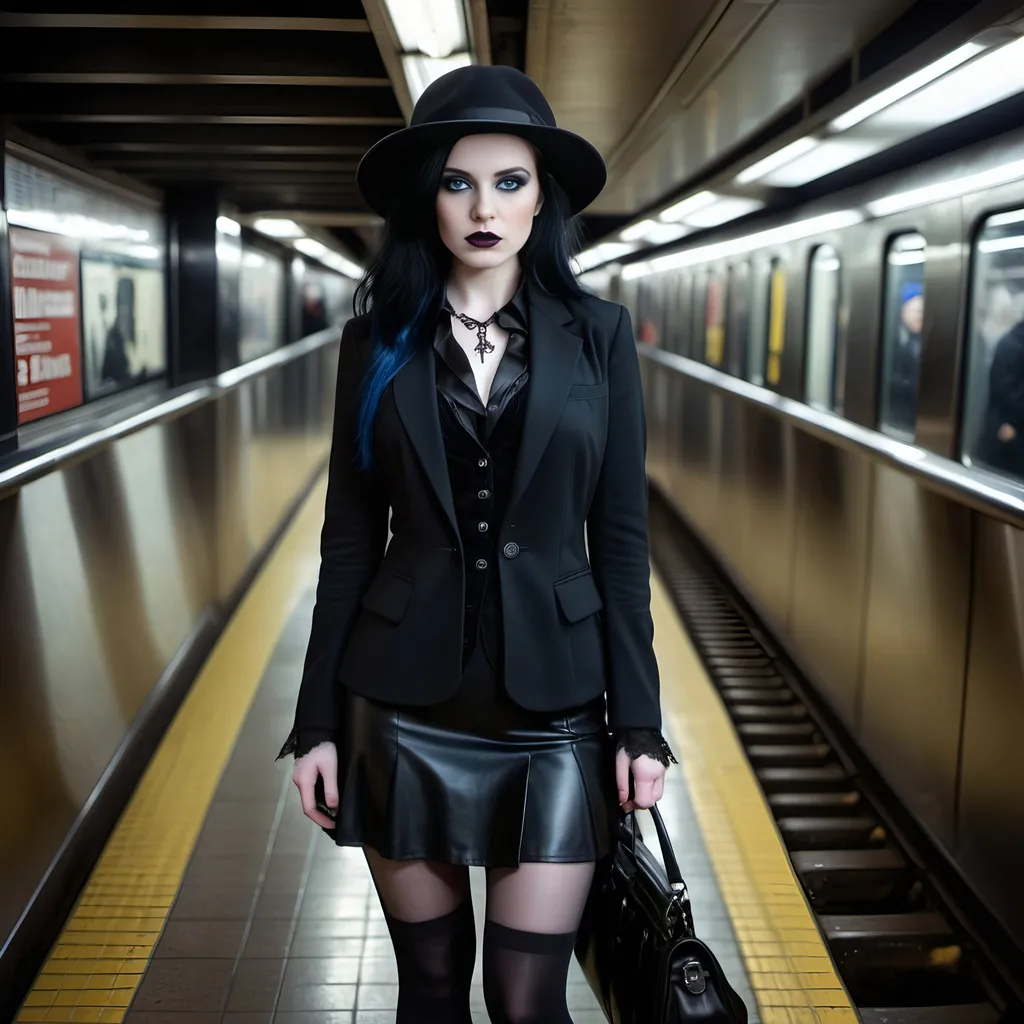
[{"x": 485, "y": 259}]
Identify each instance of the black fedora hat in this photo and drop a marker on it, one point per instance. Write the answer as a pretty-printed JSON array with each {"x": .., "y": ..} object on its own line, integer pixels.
[{"x": 480, "y": 100}]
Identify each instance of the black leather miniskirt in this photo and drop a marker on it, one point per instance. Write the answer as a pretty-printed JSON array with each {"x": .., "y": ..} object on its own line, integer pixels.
[{"x": 476, "y": 780}]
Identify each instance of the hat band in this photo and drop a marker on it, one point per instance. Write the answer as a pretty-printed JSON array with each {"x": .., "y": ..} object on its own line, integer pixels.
[{"x": 494, "y": 114}]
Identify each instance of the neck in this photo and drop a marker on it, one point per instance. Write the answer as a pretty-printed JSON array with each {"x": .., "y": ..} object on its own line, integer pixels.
[{"x": 479, "y": 293}]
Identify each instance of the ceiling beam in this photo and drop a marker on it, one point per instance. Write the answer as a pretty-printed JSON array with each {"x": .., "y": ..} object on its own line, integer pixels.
[
  {"x": 164, "y": 78},
  {"x": 384, "y": 36},
  {"x": 196, "y": 22}
]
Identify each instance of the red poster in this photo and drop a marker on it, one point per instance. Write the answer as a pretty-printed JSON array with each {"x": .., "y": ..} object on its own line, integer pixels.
[{"x": 47, "y": 345}]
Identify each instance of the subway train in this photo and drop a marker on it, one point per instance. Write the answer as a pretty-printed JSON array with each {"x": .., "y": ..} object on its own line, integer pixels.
[{"x": 835, "y": 402}]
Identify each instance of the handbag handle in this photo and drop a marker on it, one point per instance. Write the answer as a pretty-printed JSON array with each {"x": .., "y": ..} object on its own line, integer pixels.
[{"x": 668, "y": 855}]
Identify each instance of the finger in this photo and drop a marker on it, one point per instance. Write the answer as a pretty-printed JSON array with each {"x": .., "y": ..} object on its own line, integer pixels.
[
  {"x": 644, "y": 794},
  {"x": 622, "y": 764},
  {"x": 309, "y": 808},
  {"x": 331, "y": 789},
  {"x": 659, "y": 788}
]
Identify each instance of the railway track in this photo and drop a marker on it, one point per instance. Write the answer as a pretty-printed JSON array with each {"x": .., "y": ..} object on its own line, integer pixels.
[{"x": 907, "y": 942}]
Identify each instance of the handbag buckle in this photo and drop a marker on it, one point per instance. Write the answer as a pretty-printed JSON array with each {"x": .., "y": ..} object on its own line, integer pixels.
[{"x": 694, "y": 978}]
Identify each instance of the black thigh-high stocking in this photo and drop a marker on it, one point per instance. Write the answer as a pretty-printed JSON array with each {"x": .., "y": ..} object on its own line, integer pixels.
[
  {"x": 429, "y": 915},
  {"x": 533, "y": 914}
]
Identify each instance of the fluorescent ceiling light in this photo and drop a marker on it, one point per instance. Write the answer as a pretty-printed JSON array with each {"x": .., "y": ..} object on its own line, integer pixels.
[
  {"x": 950, "y": 189},
  {"x": 830, "y": 155},
  {"x": 651, "y": 231},
  {"x": 777, "y": 159},
  {"x": 910, "y": 84},
  {"x": 603, "y": 253},
  {"x": 906, "y": 259},
  {"x": 227, "y": 226},
  {"x": 421, "y": 71},
  {"x": 987, "y": 80},
  {"x": 144, "y": 252},
  {"x": 736, "y": 246},
  {"x": 277, "y": 227},
  {"x": 1000, "y": 220},
  {"x": 311, "y": 247},
  {"x": 724, "y": 208},
  {"x": 690, "y": 204},
  {"x": 75, "y": 225},
  {"x": 435, "y": 28}
]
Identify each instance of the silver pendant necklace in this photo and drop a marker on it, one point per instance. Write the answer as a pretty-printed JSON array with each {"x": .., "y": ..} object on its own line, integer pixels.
[{"x": 483, "y": 346}]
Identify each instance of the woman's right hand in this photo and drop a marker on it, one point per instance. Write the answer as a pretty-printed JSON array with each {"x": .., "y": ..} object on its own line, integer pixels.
[{"x": 322, "y": 760}]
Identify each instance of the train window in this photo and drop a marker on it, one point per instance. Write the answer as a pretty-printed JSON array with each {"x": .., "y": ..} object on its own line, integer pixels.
[
  {"x": 681, "y": 315},
  {"x": 697, "y": 315},
  {"x": 823, "y": 327},
  {"x": 901, "y": 334},
  {"x": 757, "y": 334},
  {"x": 714, "y": 321},
  {"x": 776, "y": 323},
  {"x": 993, "y": 431},
  {"x": 738, "y": 319}
]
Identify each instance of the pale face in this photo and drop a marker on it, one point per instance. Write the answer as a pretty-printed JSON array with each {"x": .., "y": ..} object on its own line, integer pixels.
[
  {"x": 913, "y": 314},
  {"x": 489, "y": 190}
]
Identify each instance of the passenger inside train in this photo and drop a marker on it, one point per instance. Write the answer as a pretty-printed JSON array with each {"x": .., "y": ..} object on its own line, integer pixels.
[{"x": 591, "y": 437}]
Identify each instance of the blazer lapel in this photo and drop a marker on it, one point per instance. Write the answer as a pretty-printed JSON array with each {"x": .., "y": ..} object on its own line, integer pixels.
[
  {"x": 554, "y": 352},
  {"x": 415, "y": 390}
]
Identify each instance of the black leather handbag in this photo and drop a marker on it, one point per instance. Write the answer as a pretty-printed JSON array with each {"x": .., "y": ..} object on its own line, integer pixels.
[{"x": 637, "y": 945}]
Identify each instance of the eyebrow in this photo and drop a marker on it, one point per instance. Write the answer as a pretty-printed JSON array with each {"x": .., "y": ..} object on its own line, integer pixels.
[{"x": 499, "y": 174}]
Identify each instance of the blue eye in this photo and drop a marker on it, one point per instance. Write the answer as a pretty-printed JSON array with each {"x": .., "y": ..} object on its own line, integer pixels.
[
  {"x": 512, "y": 184},
  {"x": 456, "y": 184}
]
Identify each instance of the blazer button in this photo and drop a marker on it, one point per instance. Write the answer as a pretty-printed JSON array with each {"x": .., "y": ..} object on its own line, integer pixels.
[
  {"x": 482, "y": 527},
  {"x": 481, "y": 563},
  {"x": 511, "y": 549},
  {"x": 484, "y": 494},
  {"x": 482, "y": 463}
]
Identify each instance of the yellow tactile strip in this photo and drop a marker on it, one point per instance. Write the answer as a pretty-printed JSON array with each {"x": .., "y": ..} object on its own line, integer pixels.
[
  {"x": 96, "y": 964},
  {"x": 788, "y": 964}
]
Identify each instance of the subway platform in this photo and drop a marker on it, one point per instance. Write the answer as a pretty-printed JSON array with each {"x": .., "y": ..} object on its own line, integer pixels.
[{"x": 215, "y": 900}]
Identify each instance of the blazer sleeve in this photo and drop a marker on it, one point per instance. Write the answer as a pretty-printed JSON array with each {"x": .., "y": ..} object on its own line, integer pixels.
[
  {"x": 618, "y": 545},
  {"x": 352, "y": 544}
]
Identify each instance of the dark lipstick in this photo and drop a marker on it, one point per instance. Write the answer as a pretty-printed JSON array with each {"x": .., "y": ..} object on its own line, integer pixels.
[{"x": 483, "y": 239}]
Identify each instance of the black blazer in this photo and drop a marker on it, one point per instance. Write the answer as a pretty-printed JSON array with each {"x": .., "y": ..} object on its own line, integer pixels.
[{"x": 388, "y": 623}]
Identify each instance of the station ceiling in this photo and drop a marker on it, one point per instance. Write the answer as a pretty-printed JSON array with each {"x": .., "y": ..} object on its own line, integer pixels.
[{"x": 278, "y": 109}]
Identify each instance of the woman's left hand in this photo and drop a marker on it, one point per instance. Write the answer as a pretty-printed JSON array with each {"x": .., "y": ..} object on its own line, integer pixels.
[{"x": 648, "y": 781}]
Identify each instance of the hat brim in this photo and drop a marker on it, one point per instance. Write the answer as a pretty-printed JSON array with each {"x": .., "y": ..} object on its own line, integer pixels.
[{"x": 573, "y": 162}]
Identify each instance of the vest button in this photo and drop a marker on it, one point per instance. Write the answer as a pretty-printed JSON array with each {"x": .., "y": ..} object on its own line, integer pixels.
[
  {"x": 482, "y": 527},
  {"x": 484, "y": 494},
  {"x": 511, "y": 549},
  {"x": 481, "y": 563}
]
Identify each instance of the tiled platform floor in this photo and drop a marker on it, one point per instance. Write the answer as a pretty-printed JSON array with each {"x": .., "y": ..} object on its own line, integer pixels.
[{"x": 275, "y": 925}]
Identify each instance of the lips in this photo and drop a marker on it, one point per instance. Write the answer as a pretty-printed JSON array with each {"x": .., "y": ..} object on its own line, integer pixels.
[{"x": 483, "y": 239}]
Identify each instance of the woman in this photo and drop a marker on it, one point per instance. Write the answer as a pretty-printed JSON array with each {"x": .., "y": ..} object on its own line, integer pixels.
[{"x": 453, "y": 700}]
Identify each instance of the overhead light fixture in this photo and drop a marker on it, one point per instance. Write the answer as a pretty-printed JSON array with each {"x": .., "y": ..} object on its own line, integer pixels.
[
  {"x": 779, "y": 158},
  {"x": 691, "y": 204},
  {"x": 949, "y": 189},
  {"x": 605, "y": 252},
  {"x": 435, "y": 28},
  {"x": 420, "y": 71},
  {"x": 328, "y": 257},
  {"x": 723, "y": 209},
  {"x": 1008, "y": 244},
  {"x": 276, "y": 227},
  {"x": 828, "y": 156},
  {"x": 75, "y": 225},
  {"x": 227, "y": 226},
  {"x": 652, "y": 231},
  {"x": 910, "y": 84},
  {"x": 735, "y": 246}
]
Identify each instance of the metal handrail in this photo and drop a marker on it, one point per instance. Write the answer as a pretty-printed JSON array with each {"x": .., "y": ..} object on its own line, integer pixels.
[
  {"x": 177, "y": 402},
  {"x": 978, "y": 488}
]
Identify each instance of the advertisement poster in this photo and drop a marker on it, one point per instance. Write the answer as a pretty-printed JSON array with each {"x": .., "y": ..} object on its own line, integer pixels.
[
  {"x": 47, "y": 349},
  {"x": 123, "y": 323}
]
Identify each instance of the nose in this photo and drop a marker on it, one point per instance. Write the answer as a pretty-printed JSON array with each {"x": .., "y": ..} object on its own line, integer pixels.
[{"x": 483, "y": 207}]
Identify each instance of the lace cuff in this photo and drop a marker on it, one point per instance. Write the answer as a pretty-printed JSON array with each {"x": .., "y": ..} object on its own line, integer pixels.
[
  {"x": 300, "y": 746},
  {"x": 645, "y": 743}
]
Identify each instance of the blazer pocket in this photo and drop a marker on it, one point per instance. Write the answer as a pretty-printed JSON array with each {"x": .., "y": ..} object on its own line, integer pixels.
[
  {"x": 578, "y": 596},
  {"x": 388, "y": 595},
  {"x": 583, "y": 391}
]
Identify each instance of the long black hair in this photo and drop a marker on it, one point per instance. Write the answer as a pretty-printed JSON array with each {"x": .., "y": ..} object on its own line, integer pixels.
[{"x": 403, "y": 288}]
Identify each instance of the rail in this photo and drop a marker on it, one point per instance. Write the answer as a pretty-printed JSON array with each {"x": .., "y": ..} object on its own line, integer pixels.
[
  {"x": 171, "y": 405},
  {"x": 984, "y": 491}
]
